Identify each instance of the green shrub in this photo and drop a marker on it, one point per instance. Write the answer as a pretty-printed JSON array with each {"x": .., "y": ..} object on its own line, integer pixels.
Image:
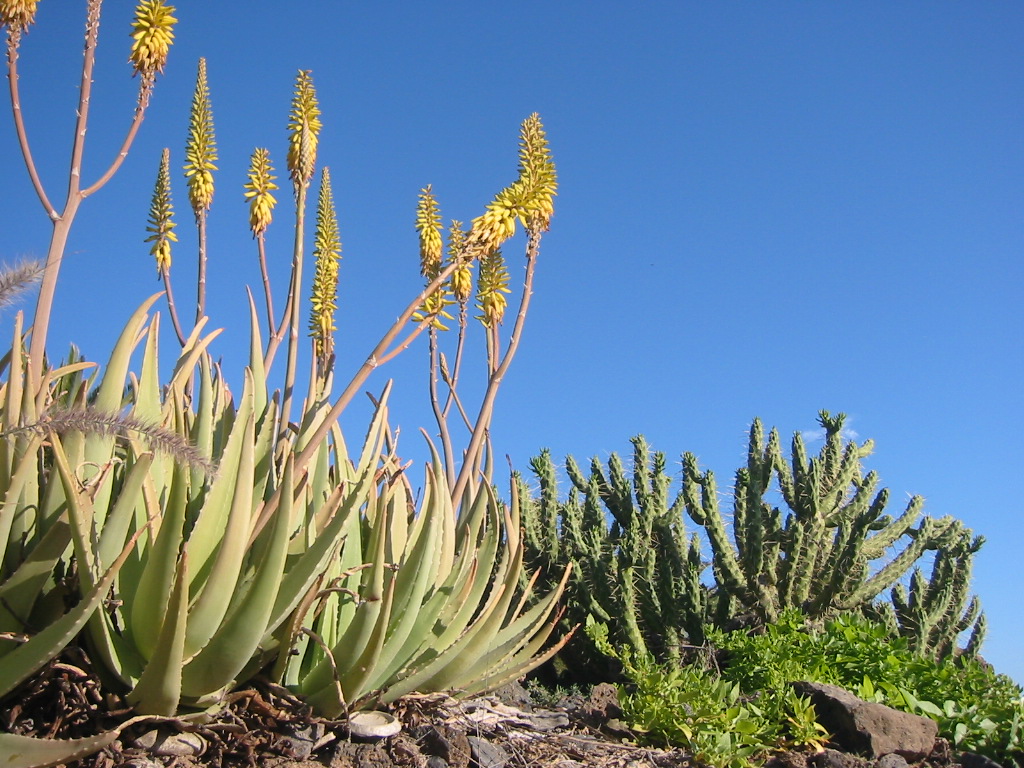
[
  {"x": 709, "y": 714},
  {"x": 976, "y": 709}
]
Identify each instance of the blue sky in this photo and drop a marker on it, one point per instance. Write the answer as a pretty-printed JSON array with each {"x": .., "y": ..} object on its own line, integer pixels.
[{"x": 764, "y": 210}]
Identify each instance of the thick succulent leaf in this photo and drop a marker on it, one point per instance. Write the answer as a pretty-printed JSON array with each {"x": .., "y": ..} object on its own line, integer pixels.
[
  {"x": 208, "y": 534},
  {"x": 237, "y": 639},
  {"x": 23, "y": 661},
  {"x": 22, "y": 588},
  {"x": 28, "y": 752},
  {"x": 145, "y": 606},
  {"x": 158, "y": 691},
  {"x": 209, "y": 607}
]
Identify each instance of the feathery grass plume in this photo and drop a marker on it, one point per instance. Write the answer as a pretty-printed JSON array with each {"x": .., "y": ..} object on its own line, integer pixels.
[
  {"x": 258, "y": 191},
  {"x": 304, "y": 126},
  {"x": 152, "y": 33},
  {"x": 95, "y": 421},
  {"x": 161, "y": 216},
  {"x": 201, "y": 147},
  {"x": 428, "y": 225},
  {"x": 462, "y": 277},
  {"x": 491, "y": 286},
  {"x": 17, "y": 14},
  {"x": 17, "y": 279},
  {"x": 327, "y": 254}
]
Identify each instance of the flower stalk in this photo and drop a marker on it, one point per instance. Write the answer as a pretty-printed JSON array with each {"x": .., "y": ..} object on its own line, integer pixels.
[{"x": 200, "y": 155}]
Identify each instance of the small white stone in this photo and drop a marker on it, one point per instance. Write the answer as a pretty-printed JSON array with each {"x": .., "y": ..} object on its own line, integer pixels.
[{"x": 373, "y": 725}]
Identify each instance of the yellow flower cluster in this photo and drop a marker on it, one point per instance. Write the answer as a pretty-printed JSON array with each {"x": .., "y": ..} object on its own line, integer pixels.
[
  {"x": 17, "y": 14},
  {"x": 201, "y": 147},
  {"x": 161, "y": 216},
  {"x": 258, "y": 191},
  {"x": 428, "y": 225},
  {"x": 327, "y": 254},
  {"x": 462, "y": 277},
  {"x": 529, "y": 199},
  {"x": 304, "y": 130},
  {"x": 491, "y": 287},
  {"x": 152, "y": 35}
]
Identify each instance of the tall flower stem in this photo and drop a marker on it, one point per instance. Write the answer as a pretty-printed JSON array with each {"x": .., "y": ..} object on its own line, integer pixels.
[
  {"x": 292, "y": 308},
  {"x": 483, "y": 419}
]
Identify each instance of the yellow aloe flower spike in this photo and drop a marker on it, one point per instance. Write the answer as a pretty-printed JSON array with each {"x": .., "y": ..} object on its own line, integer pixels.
[
  {"x": 17, "y": 14},
  {"x": 528, "y": 199},
  {"x": 428, "y": 225},
  {"x": 327, "y": 253},
  {"x": 462, "y": 277},
  {"x": 258, "y": 191},
  {"x": 201, "y": 147},
  {"x": 161, "y": 216},
  {"x": 491, "y": 286},
  {"x": 152, "y": 33},
  {"x": 537, "y": 171},
  {"x": 304, "y": 127}
]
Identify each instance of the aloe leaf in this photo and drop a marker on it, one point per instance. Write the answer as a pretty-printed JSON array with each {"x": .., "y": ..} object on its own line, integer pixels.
[
  {"x": 259, "y": 372},
  {"x": 211, "y": 524},
  {"x": 129, "y": 497},
  {"x": 158, "y": 690},
  {"x": 23, "y": 661},
  {"x": 146, "y": 606},
  {"x": 27, "y": 752},
  {"x": 23, "y": 475},
  {"x": 212, "y": 603},
  {"x": 111, "y": 389},
  {"x": 238, "y": 637},
  {"x": 21, "y": 590}
]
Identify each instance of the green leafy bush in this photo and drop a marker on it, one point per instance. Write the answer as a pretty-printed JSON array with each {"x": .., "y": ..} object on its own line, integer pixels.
[
  {"x": 977, "y": 709},
  {"x": 707, "y": 713}
]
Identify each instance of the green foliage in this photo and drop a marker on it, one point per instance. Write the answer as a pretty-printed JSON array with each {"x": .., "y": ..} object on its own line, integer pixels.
[
  {"x": 976, "y": 709},
  {"x": 828, "y": 551},
  {"x": 707, "y": 713}
]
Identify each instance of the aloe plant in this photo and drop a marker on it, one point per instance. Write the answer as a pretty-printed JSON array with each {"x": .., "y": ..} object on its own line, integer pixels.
[{"x": 212, "y": 534}]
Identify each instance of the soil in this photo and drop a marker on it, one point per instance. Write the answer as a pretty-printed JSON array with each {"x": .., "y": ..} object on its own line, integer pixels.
[{"x": 266, "y": 726}]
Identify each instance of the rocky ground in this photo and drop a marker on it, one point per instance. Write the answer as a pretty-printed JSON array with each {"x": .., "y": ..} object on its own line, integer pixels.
[{"x": 266, "y": 726}]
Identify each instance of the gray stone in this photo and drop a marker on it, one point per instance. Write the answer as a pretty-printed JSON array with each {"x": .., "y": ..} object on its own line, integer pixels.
[
  {"x": 487, "y": 755},
  {"x": 869, "y": 728},
  {"x": 892, "y": 760}
]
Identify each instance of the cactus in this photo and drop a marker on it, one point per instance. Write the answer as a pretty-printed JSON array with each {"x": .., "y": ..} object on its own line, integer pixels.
[
  {"x": 935, "y": 611},
  {"x": 634, "y": 566},
  {"x": 826, "y": 556}
]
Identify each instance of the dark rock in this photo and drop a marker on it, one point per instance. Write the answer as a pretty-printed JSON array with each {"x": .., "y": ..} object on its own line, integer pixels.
[
  {"x": 487, "y": 755},
  {"x": 448, "y": 744},
  {"x": 603, "y": 704},
  {"x": 891, "y": 760},
  {"x": 436, "y": 762},
  {"x": 869, "y": 728},
  {"x": 788, "y": 760},
  {"x": 832, "y": 758},
  {"x": 974, "y": 760},
  {"x": 515, "y": 695},
  {"x": 300, "y": 740}
]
